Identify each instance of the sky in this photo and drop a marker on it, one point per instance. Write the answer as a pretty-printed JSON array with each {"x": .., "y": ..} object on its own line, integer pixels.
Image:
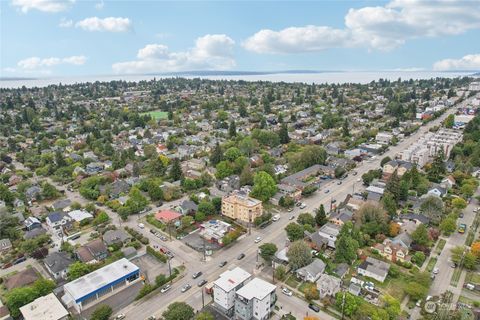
[{"x": 78, "y": 37}]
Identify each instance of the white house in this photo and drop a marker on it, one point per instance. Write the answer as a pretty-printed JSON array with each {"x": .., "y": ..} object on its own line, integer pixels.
[
  {"x": 255, "y": 300},
  {"x": 225, "y": 287},
  {"x": 374, "y": 268},
  {"x": 56, "y": 220}
]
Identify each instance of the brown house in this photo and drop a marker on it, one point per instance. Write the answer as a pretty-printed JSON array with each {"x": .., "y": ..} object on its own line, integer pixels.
[{"x": 92, "y": 252}]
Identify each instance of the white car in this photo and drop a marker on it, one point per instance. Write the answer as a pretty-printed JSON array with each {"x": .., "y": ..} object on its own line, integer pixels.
[
  {"x": 287, "y": 292},
  {"x": 141, "y": 225},
  {"x": 303, "y": 206},
  {"x": 165, "y": 289},
  {"x": 119, "y": 317},
  {"x": 435, "y": 270},
  {"x": 258, "y": 239}
]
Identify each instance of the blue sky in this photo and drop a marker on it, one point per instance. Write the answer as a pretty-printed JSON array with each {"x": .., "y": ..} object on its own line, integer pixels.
[{"x": 55, "y": 37}]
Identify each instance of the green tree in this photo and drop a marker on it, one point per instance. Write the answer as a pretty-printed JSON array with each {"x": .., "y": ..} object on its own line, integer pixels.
[
  {"x": 267, "y": 251},
  {"x": 205, "y": 315},
  {"x": 294, "y": 231},
  {"x": 264, "y": 186},
  {"x": 206, "y": 207},
  {"x": 299, "y": 255},
  {"x": 283, "y": 134},
  {"x": 346, "y": 247},
  {"x": 78, "y": 269},
  {"x": 320, "y": 216},
  {"x": 385, "y": 160},
  {"x": 6, "y": 195},
  {"x": 280, "y": 272},
  {"x": 102, "y": 217},
  {"x": 18, "y": 297},
  {"x": 246, "y": 176},
  {"x": 178, "y": 311},
  {"x": 345, "y": 130},
  {"x": 432, "y": 207},
  {"x": 49, "y": 191},
  {"x": 437, "y": 168},
  {"x": 389, "y": 204},
  {"x": 418, "y": 258},
  {"x": 176, "y": 172},
  {"x": 420, "y": 235},
  {"x": 415, "y": 290},
  {"x": 459, "y": 203},
  {"x": 393, "y": 186},
  {"x": 306, "y": 218},
  {"x": 311, "y": 292},
  {"x": 232, "y": 129},
  {"x": 186, "y": 221},
  {"x": 347, "y": 302},
  {"x": 102, "y": 312},
  {"x": 449, "y": 121},
  {"x": 217, "y": 155},
  {"x": 224, "y": 169},
  {"x": 232, "y": 154},
  {"x": 403, "y": 192},
  {"x": 448, "y": 225}
]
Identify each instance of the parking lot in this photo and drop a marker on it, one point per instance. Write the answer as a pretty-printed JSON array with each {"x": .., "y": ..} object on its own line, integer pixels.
[{"x": 150, "y": 267}]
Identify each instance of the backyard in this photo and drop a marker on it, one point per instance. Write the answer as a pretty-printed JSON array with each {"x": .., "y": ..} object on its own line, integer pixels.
[{"x": 157, "y": 115}]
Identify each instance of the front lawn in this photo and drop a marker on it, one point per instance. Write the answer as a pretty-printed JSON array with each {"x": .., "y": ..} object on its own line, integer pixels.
[{"x": 292, "y": 282}]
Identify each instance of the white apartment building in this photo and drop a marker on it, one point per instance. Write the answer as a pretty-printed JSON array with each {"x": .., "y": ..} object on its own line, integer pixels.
[
  {"x": 225, "y": 287},
  {"x": 255, "y": 300},
  {"x": 474, "y": 86},
  {"x": 384, "y": 137}
]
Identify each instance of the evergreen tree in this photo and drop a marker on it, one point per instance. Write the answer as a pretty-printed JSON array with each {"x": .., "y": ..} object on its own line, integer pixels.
[
  {"x": 217, "y": 155},
  {"x": 232, "y": 129},
  {"x": 320, "y": 216},
  {"x": 393, "y": 186},
  {"x": 437, "y": 169},
  {"x": 176, "y": 170},
  {"x": 283, "y": 134},
  {"x": 242, "y": 111}
]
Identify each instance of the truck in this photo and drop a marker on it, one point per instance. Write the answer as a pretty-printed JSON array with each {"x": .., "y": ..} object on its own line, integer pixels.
[
  {"x": 462, "y": 227},
  {"x": 276, "y": 217}
]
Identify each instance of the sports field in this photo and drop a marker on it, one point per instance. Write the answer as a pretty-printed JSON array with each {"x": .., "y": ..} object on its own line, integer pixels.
[{"x": 157, "y": 115}]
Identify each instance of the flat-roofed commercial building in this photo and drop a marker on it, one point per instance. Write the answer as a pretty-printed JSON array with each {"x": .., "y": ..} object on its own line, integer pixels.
[
  {"x": 44, "y": 308},
  {"x": 240, "y": 206},
  {"x": 89, "y": 288}
]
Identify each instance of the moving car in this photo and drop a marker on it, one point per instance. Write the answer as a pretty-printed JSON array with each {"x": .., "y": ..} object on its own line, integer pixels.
[
  {"x": 241, "y": 256},
  {"x": 197, "y": 274},
  {"x": 165, "y": 288},
  {"x": 119, "y": 316},
  {"x": 462, "y": 227},
  {"x": 435, "y": 270},
  {"x": 327, "y": 191},
  {"x": 222, "y": 264},
  {"x": 186, "y": 287},
  {"x": 258, "y": 239},
  {"x": 287, "y": 292},
  {"x": 314, "y": 307},
  {"x": 201, "y": 283}
]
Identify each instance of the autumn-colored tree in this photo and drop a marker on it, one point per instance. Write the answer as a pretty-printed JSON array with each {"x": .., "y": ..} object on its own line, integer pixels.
[
  {"x": 311, "y": 318},
  {"x": 475, "y": 249},
  {"x": 394, "y": 229},
  {"x": 311, "y": 292}
]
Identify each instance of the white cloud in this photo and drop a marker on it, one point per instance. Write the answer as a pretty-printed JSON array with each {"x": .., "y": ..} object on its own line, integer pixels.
[
  {"x": 65, "y": 23},
  {"x": 34, "y": 63},
  {"x": 211, "y": 52},
  {"x": 382, "y": 27},
  {"x": 43, "y": 5},
  {"x": 110, "y": 24},
  {"x": 468, "y": 62}
]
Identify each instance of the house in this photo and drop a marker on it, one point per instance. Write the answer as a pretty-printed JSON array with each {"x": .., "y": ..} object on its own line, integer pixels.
[
  {"x": 45, "y": 308},
  {"x": 229, "y": 183},
  {"x": 32, "y": 223},
  {"x": 80, "y": 215},
  {"x": 241, "y": 207},
  {"x": 255, "y": 300},
  {"x": 374, "y": 268},
  {"x": 31, "y": 234},
  {"x": 56, "y": 220},
  {"x": 448, "y": 183},
  {"x": 417, "y": 218},
  {"x": 92, "y": 252},
  {"x": 329, "y": 233},
  {"x": 303, "y": 178},
  {"x": 57, "y": 264},
  {"x": 21, "y": 279},
  {"x": 5, "y": 245},
  {"x": 281, "y": 256},
  {"x": 341, "y": 270},
  {"x": 116, "y": 236},
  {"x": 118, "y": 188},
  {"x": 384, "y": 138},
  {"x": 328, "y": 285},
  {"x": 311, "y": 272},
  {"x": 225, "y": 287},
  {"x": 437, "y": 191},
  {"x": 395, "y": 249},
  {"x": 290, "y": 191},
  {"x": 62, "y": 205},
  {"x": 341, "y": 216},
  {"x": 396, "y": 165},
  {"x": 214, "y": 230},
  {"x": 354, "y": 289},
  {"x": 187, "y": 207},
  {"x": 32, "y": 193},
  {"x": 167, "y": 216}
]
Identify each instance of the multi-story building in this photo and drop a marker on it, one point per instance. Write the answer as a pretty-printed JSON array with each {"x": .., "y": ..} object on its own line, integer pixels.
[
  {"x": 225, "y": 287},
  {"x": 255, "y": 300},
  {"x": 45, "y": 308},
  {"x": 241, "y": 207}
]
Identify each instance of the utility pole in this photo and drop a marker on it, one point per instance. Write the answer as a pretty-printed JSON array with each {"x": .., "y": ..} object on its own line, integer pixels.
[
  {"x": 169, "y": 270},
  {"x": 204, "y": 250},
  {"x": 273, "y": 271},
  {"x": 250, "y": 223},
  {"x": 203, "y": 300}
]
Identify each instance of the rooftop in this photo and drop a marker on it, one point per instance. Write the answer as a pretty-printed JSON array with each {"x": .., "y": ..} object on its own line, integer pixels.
[
  {"x": 44, "y": 308},
  {"x": 232, "y": 278},
  {"x": 97, "y": 279},
  {"x": 257, "y": 288}
]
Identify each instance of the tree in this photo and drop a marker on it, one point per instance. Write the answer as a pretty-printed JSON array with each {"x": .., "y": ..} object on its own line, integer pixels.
[
  {"x": 206, "y": 207},
  {"x": 294, "y": 231},
  {"x": 437, "y": 168},
  {"x": 78, "y": 269},
  {"x": 264, "y": 186},
  {"x": 459, "y": 203},
  {"x": 320, "y": 216},
  {"x": 432, "y": 207},
  {"x": 176, "y": 170},
  {"x": 346, "y": 247},
  {"x": 449, "y": 121},
  {"x": 403, "y": 192},
  {"x": 299, "y": 255},
  {"x": 373, "y": 219},
  {"x": 347, "y": 302},
  {"x": 420, "y": 235},
  {"x": 49, "y": 191},
  {"x": 389, "y": 204},
  {"x": 205, "y": 315},
  {"x": 280, "y": 272},
  {"x": 267, "y": 251},
  {"x": 217, "y": 155},
  {"x": 283, "y": 134},
  {"x": 385, "y": 160},
  {"x": 18, "y": 297},
  {"x": 102, "y": 217},
  {"x": 186, "y": 221},
  {"x": 232, "y": 129},
  {"x": 345, "y": 130},
  {"x": 246, "y": 176},
  {"x": 392, "y": 306},
  {"x": 418, "y": 258},
  {"x": 224, "y": 169},
  {"x": 448, "y": 225},
  {"x": 232, "y": 154},
  {"x": 416, "y": 291},
  {"x": 311, "y": 292},
  {"x": 178, "y": 311},
  {"x": 475, "y": 249},
  {"x": 393, "y": 186},
  {"x": 470, "y": 261},
  {"x": 306, "y": 218},
  {"x": 339, "y": 172},
  {"x": 103, "y": 312},
  {"x": 394, "y": 229},
  {"x": 457, "y": 254}
]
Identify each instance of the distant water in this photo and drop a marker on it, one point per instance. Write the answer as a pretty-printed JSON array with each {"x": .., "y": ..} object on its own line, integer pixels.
[{"x": 318, "y": 78}]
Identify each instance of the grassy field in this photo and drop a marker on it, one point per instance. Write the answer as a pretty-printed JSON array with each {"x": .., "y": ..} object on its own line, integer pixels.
[{"x": 158, "y": 115}]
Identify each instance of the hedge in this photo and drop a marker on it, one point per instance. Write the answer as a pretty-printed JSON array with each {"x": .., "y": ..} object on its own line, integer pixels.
[{"x": 156, "y": 254}]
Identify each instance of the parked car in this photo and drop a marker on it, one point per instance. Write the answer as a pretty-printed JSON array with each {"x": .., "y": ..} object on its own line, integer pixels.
[
  {"x": 201, "y": 283},
  {"x": 435, "y": 270},
  {"x": 186, "y": 287},
  {"x": 291, "y": 218},
  {"x": 152, "y": 318},
  {"x": 119, "y": 316},
  {"x": 303, "y": 206},
  {"x": 165, "y": 288},
  {"x": 141, "y": 225},
  {"x": 287, "y": 292},
  {"x": 196, "y": 275},
  {"x": 314, "y": 307},
  {"x": 327, "y": 191},
  {"x": 339, "y": 182},
  {"x": 290, "y": 209},
  {"x": 258, "y": 239},
  {"x": 241, "y": 256},
  {"x": 222, "y": 264}
]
